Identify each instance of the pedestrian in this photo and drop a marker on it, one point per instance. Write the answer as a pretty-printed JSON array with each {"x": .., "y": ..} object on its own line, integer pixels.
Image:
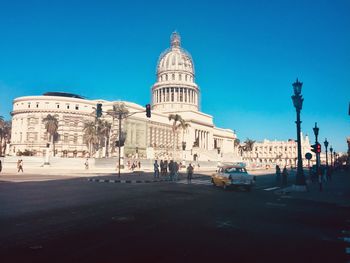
[
  {"x": 166, "y": 168},
  {"x": 0, "y": 166},
  {"x": 189, "y": 173},
  {"x": 156, "y": 169},
  {"x": 171, "y": 170},
  {"x": 320, "y": 179},
  {"x": 176, "y": 174},
  {"x": 161, "y": 166},
  {"x": 20, "y": 165},
  {"x": 284, "y": 176},
  {"x": 87, "y": 164},
  {"x": 278, "y": 175},
  {"x": 139, "y": 164}
]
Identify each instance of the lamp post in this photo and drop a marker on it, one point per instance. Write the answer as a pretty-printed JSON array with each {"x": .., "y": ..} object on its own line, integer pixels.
[
  {"x": 331, "y": 150},
  {"x": 298, "y": 104},
  {"x": 326, "y": 145},
  {"x": 316, "y": 130}
]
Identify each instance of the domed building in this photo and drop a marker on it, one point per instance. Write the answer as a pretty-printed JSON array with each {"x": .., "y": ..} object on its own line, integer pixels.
[{"x": 174, "y": 92}]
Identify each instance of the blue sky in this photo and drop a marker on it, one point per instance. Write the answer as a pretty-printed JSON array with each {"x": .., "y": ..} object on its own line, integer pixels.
[{"x": 247, "y": 54}]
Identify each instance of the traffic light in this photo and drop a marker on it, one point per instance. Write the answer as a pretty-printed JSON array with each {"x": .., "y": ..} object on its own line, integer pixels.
[
  {"x": 148, "y": 110},
  {"x": 318, "y": 148},
  {"x": 313, "y": 148},
  {"x": 99, "y": 110}
]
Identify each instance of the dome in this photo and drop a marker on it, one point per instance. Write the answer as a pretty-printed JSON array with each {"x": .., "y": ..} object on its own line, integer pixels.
[
  {"x": 175, "y": 88},
  {"x": 175, "y": 58}
]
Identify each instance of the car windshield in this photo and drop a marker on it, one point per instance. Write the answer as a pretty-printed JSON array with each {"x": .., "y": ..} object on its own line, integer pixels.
[{"x": 231, "y": 170}]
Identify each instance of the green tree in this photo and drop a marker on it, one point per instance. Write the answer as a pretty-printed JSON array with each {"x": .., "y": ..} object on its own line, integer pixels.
[
  {"x": 176, "y": 118},
  {"x": 91, "y": 136},
  {"x": 248, "y": 145},
  {"x": 51, "y": 126},
  {"x": 103, "y": 131},
  {"x": 183, "y": 125}
]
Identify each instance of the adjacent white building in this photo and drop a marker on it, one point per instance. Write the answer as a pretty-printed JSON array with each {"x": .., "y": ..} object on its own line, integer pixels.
[
  {"x": 270, "y": 153},
  {"x": 174, "y": 92}
]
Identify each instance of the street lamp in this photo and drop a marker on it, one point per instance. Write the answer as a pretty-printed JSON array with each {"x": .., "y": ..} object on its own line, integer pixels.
[
  {"x": 326, "y": 145},
  {"x": 331, "y": 150},
  {"x": 316, "y": 130},
  {"x": 298, "y": 104}
]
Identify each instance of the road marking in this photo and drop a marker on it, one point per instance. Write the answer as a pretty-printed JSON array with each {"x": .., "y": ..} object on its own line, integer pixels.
[
  {"x": 202, "y": 182},
  {"x": 272, "y": 188}
]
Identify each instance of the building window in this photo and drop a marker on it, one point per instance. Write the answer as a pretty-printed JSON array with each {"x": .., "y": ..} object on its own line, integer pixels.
[
  {"x": 65, "y": 138},
  {"x": 181, "y": 94},
  {"x": 37, "y": 105},
  {"x": 172, "y": 94},
  {"x": 77, "y": 107},
  {"x": 75, "y": 138},
  {"x": 29, "y": 105},
  {"x": 58, "y": 106},
  {"x": 180, "y": 77},
  {"x": 67, "y": 107},
  {"x": 173, "y": 77}
]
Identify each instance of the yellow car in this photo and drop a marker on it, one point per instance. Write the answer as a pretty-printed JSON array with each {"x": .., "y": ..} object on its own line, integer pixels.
[{"x": 233, "y": 176}]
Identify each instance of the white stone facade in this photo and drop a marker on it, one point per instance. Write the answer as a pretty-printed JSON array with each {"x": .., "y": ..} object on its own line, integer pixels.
[
  {"x": 175, "y": 92},
  {"x": 270, "y": 153}
]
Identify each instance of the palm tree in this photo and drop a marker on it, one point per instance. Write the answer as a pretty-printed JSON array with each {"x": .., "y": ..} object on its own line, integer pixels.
[
  {"x": 51, "y": 126},
  {"x": 6, "y": 133},
  {"x": 184, "y": 126},
  {"x": 103, "y": 131},
  {"x": 176, "y": 118},
  {"x": 91, "y": 137},
  {"x": 2, "y": 125},
  {"x": 249, "y": 144}
]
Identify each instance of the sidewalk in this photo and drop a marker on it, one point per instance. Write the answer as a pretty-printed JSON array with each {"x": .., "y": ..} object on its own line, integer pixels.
[{"x": 336, "y": 191}]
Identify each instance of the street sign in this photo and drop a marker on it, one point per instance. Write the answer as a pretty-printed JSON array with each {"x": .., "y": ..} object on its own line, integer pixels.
[{"x": 308, "y": 156}]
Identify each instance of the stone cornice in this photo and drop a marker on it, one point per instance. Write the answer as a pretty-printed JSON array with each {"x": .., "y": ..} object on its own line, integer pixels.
[{"x": 53, "y": 111}]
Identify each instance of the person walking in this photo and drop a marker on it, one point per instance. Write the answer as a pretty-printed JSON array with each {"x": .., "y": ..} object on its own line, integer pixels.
[
  {"x": 284, "y": 176},
  {"x": 156, "y": 169},
  {"x": 176, "y": 168},
  {"x": 0, "y": 166},
  {"x": 189, "y": 173},
  {"x": 171, "y": 170},
  {"x": 86, "y": 164},
  {"x": 20, "y": 165},
  {"x": 278, "y": 175},
  {"x": 161, "y": 166}
]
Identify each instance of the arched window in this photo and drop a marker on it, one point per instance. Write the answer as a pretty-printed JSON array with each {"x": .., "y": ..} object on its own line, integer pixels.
[{"x": 173, "y": 77}]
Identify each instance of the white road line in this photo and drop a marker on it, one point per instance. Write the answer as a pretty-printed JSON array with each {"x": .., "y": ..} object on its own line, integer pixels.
[
  {"x": 195, "y": 182},
  {"x": 272, "y": 188}
]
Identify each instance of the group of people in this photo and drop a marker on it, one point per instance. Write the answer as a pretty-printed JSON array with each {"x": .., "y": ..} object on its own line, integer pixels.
[
  {"x": 281, "y": 180},
  {"x": 132, "y": 166},
  {"x": 173, "y": 167}
]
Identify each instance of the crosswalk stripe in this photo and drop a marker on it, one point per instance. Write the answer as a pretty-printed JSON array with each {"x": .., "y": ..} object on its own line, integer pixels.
[
  {"x": 272, "y": 188},
  {"x": 201, "y": 182}
]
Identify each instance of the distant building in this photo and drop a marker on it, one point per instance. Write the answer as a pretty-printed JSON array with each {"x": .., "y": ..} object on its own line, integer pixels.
[
  {"x": 270, "y": 153},
  {"x": 175, "y": 92}
]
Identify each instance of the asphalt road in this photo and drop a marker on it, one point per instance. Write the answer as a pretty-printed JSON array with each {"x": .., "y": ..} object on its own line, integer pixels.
[{"x": 74, "y": 220}]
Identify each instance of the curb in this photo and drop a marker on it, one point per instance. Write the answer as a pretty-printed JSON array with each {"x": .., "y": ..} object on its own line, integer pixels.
[{"x": 129, "y": 181}]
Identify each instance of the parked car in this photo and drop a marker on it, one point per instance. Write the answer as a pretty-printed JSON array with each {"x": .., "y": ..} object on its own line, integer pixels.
[{"x": 233, "y": 176}]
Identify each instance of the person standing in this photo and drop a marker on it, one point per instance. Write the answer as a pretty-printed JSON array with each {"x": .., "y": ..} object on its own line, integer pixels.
[
  {"x": 156, "y": 169},
  {"x": 161, "y": 166},
  {"x": 171, "y": 170},
  {"x": 87, "y": 164},
  {"x": 0, "y": 166},
  {"x": 284, "y": 176},
  {"x": 189, "y": 173},
  {"x": 20, "y": 165},
  {"x": 278, "y": 175}
]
